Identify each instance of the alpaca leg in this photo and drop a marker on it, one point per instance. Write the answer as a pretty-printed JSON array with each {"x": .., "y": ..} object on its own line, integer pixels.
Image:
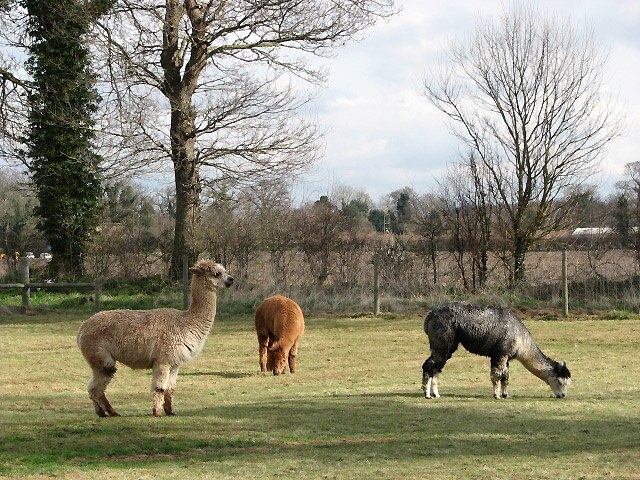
[
  {"x": 431, "y": 367},
  {"x": 434, "y": 386},
  {"x": 271, "y": 360},
  {"x": 171, "y": 387},
  {"x": 426, "y": 385},
  {"x": 499, "y": 369},
  {"x": 159, "y": 385},
  {"x": 504, "y": 381},
  {"x": 293, "y": 353},
  {"x": 96, "y": 387},
  {"x": 263, "y": 353}
]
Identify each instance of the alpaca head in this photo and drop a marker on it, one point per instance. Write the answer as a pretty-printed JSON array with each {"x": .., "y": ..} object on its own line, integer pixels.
[
  {"x": 560, "y": 379},
  {"x": 214, "y": 274},
  {"x": 278, "y": 358}
]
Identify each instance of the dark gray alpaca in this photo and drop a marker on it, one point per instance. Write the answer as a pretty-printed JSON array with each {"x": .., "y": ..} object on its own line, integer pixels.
[{"x": 490, "y": 331}]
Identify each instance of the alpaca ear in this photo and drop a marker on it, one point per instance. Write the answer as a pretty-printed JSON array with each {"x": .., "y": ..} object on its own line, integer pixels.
[
  {"x": 563, "y": 371},
  {"x": 197, "y": 270}
]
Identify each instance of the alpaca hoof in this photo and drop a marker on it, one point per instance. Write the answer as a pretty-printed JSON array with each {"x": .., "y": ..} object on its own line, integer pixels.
[
  {"x": 505, "y": 395},
  {"x": 157, "y": 413}
]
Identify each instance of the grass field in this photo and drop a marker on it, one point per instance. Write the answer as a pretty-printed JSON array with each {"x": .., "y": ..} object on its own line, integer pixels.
[{"x": 354, "y": 410}]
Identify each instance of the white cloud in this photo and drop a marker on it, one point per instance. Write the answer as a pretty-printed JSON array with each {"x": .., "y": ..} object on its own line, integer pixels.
[{"x": 383, "y": 135}]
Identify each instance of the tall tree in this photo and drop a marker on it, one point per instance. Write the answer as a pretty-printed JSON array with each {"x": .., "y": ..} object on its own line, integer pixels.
[
  {"x": 524, "y": 93},
  {"x": 622, "y": 216},
  {"x": 226, "y": 77},
  {"x": 61, "y": 157}
]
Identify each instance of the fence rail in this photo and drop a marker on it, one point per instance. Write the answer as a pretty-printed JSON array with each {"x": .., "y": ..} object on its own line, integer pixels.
[
  {"x": 597, "y": 278},
  {"x": 26, "y": 286}
]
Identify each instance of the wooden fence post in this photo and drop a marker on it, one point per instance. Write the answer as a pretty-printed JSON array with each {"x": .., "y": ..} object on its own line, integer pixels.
[
  {"x": 565, "y": 284},
  {"x": 23, "y": 266},
  {"x": 185, "y": 282},
  {"x": 376, "y": 285}
]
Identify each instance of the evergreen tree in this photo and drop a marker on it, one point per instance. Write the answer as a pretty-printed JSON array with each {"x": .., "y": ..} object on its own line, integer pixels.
[
  {"x": 378, "y": 218},
  {"x": 403, "y": 209},
  {"x": 622, "y": 215},
  {"x": 59, "y": 145}
]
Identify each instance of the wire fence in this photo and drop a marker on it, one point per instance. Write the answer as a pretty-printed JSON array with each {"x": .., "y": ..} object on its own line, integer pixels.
[{"x": 597, "y": 279}]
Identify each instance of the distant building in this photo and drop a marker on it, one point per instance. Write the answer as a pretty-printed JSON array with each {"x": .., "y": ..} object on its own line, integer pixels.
[
  {"x": 602, "y": 231},
  {"x": 583, "y": 231}
]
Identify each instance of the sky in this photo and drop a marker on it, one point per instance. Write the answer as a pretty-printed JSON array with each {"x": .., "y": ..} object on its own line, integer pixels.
[{"x": 382, "y": 134}]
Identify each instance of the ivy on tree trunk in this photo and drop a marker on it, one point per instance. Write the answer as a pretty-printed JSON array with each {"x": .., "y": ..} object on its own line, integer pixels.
[{"x": 60, "y": 154}]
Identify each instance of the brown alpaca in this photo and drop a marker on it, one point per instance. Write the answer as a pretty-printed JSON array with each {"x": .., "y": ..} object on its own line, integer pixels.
[
  {"x": 161, "y": 339},
  {"x": 279, "y": 325}
]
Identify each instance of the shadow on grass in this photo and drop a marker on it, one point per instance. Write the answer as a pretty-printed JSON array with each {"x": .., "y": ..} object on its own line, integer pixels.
[
  {"x": 37, "y": 316},
  {"x": 217, "y": 374},
  {"x": 320, "y": 430}
]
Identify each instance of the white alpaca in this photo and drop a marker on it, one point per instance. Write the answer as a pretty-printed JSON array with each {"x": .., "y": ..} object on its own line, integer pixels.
[{"x": 161, "y": 339}]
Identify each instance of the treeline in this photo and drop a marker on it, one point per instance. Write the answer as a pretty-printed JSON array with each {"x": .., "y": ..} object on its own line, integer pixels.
[
  {"x": 223, "y": 105},
  {"x": 328, "y": 240}
]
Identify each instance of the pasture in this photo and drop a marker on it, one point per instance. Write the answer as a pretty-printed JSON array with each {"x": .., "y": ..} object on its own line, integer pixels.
[{"x": 353, "y": 410}]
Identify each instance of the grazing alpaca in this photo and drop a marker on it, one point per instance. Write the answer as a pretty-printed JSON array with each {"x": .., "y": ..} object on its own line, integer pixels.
[
  {"x": 160, "y": 339},
  {"x": 279, "y": 325},
  {"x": 493, "y": 332}
]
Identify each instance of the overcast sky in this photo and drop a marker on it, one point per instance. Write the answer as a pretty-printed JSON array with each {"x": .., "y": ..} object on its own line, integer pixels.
[{"x": 382, "y": 135}]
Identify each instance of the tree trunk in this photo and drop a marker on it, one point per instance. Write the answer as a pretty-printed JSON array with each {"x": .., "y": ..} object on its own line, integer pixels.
[
  {"x": 188, "y": 188},
  {"x": 519, "y": 255},
  {"x": 434, "y": 261},
  {"x": 187, "y": 219},
  {"x": 484, "y": 266}
]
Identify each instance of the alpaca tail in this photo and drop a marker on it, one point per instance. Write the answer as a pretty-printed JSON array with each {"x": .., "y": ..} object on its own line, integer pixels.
[{"x": 427, "y": 320}]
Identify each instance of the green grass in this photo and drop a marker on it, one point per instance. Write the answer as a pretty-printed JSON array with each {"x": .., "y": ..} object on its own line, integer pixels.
[{"x": 354, "y": 410}]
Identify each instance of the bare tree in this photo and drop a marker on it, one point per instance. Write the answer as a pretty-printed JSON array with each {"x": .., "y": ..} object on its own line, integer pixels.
[
  {"x": 468, "y": 214},
  {"x": 14, "y": 83},
  {"x": 226, "y": 79},
  {"x": 628, "y": 208},
  {"x": 320, "y": 227},
  {"x": 276, "y": 228},
  {"x": 524, "y": 93},
  {"x": 463, "y": 216},
  {"x": 429, "y": 224},
  {"x": 18, "y": 231}
]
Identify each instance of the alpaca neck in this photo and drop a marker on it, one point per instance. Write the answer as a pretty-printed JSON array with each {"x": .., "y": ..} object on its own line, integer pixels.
[
  {"x": 537, "y": 363},
  {"x": 202, "y": 302}
]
